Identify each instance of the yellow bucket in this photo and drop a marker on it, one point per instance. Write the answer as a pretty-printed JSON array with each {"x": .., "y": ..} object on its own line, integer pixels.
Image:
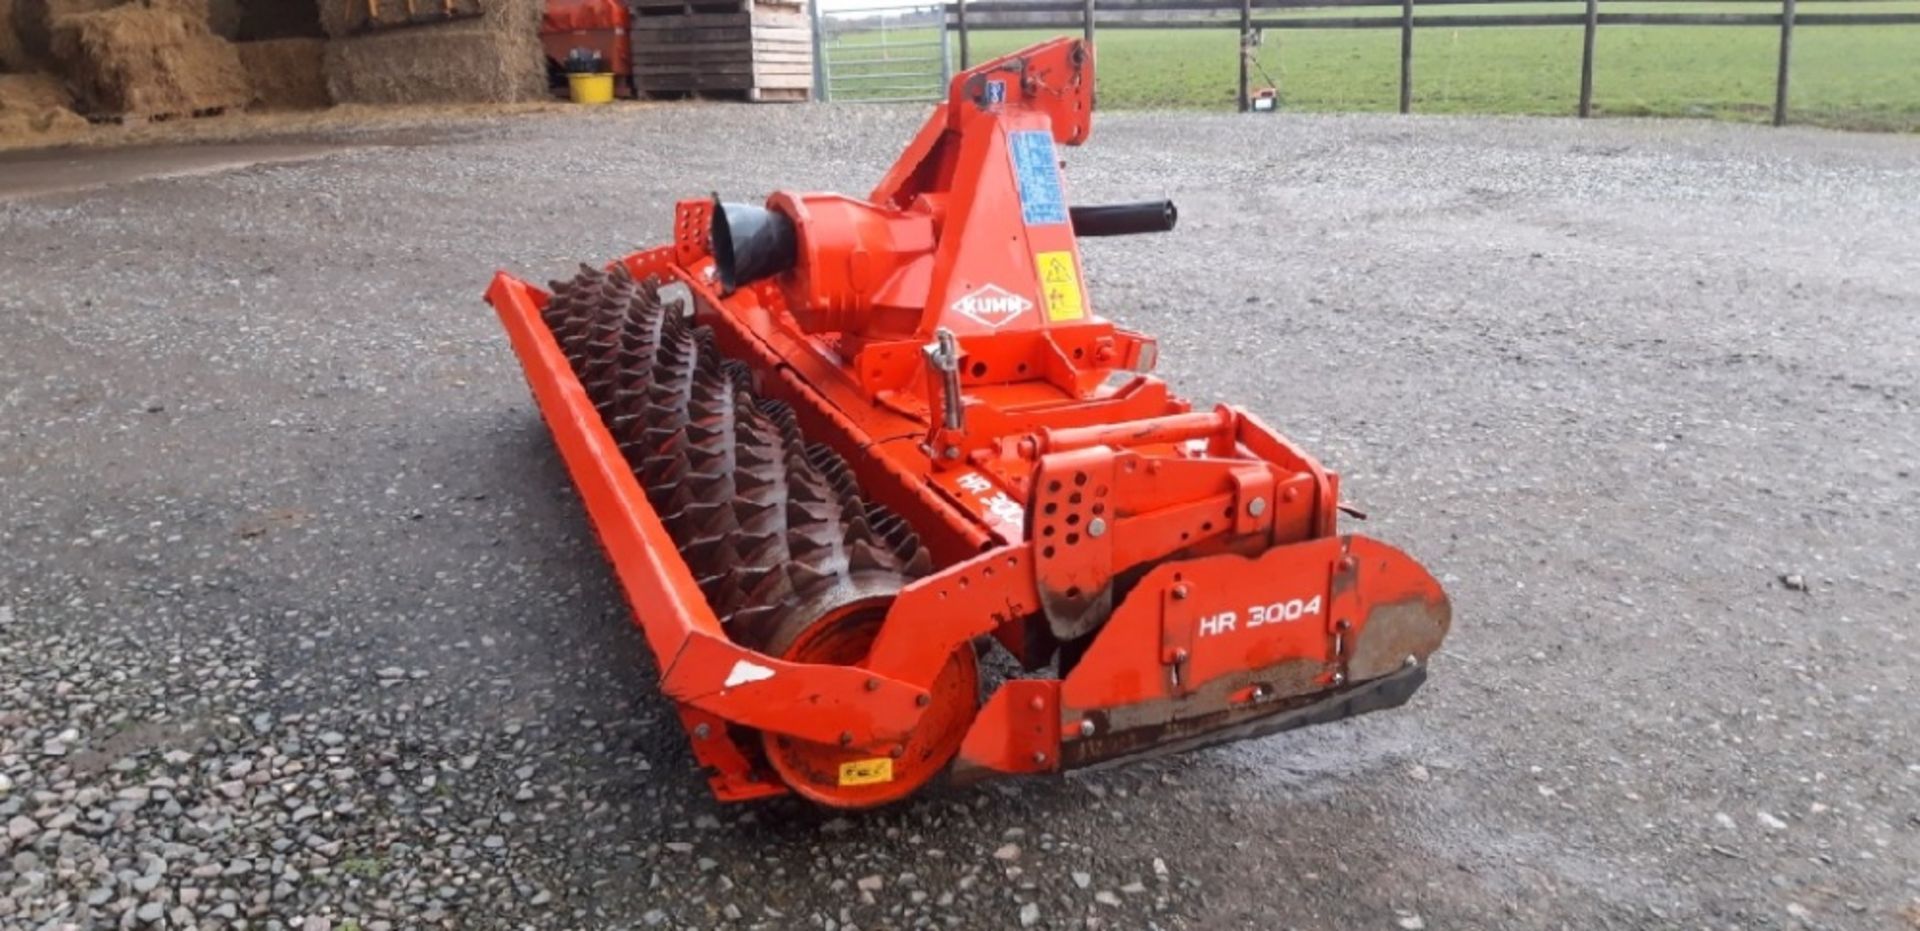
[{"x": 590, "y": 88}]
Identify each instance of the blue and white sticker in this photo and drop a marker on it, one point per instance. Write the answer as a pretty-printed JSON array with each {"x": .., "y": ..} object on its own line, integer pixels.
[
  {"x": 1041, "y": 201},
  {"x": 996, "y": 93}
]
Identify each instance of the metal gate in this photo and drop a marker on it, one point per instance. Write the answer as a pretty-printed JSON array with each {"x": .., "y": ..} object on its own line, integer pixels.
[{"x": 881, "y": 54}]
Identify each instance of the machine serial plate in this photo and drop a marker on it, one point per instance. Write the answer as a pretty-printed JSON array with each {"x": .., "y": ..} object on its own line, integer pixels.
[{"x": 1041, "y": 201}]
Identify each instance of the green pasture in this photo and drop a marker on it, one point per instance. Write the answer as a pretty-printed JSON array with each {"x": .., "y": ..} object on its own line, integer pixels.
[{"x": 1851, "y": 76}]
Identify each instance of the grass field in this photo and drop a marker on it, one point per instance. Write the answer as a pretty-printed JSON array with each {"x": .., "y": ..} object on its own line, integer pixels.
[{"x": 1851, "y": 76}]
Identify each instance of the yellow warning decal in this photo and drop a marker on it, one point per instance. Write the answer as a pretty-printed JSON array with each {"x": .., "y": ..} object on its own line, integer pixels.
[
  {"x": 866, "y": 772},
  {"x": 1059, "y": 285}
]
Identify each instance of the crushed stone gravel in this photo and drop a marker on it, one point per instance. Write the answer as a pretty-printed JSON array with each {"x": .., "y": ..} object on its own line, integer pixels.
[{"x": 302, "y": 628}]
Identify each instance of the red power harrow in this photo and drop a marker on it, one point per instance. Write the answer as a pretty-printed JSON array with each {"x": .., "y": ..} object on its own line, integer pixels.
[{"x": 836, "y": 449}]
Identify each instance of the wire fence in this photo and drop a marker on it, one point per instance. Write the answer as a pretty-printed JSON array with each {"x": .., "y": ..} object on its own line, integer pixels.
[
  {"x": 908, "y": 52},
  {"x": 881, "y": 54}
]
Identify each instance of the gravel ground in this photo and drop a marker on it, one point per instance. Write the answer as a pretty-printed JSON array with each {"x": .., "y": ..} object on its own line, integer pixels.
[{"x": 301, "y": 626}]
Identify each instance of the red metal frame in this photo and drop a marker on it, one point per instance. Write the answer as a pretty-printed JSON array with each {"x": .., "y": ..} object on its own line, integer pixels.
[
  {"x": 696, "y": 657},
  {"x": 1183, "y": 567}
]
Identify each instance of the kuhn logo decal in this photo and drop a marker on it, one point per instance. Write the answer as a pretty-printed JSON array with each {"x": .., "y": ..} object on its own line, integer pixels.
[{"x": 992, "y": 305}]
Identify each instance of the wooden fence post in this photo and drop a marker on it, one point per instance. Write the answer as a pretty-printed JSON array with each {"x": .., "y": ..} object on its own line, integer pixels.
[
  {"x": 1406, "y": 56},
  {"x": 1246, "y": 49},
  {"x": 1586, "y": 59},
  {"x": 965, "y": 59},
  {"x": 1786, "y": 53}
]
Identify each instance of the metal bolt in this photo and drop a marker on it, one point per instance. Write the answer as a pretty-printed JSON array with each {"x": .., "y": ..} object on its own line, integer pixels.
[
  {"x": 951, "y": 452},
  {"x": 1339, "y": 678},
  {"x": 1180, "y": 592},
  {"x": 1343, "y": 624},
  {"x": 1096, "y": 527},
  {"x": 1179, "y": 656},
  {"x": 898, "y": 751},
  {"x": 846, "y": 738},
  {"x": 1259, "y": 692},
  {"x": 1257, "y": 507},
  {"x": 1040, "y": 756},
  {"x": 1410, "y": 662},
  {"x": 873, "y": 685},
  {"x": 1086, "y": 727},
  {"x": 702, "y": 732},
  {"x": 923, "y": 700}
]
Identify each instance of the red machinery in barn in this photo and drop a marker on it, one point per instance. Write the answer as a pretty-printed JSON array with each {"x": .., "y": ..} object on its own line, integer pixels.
[
  {"x": 599, "y": 27},
  {"x": 840, "y": 449}
]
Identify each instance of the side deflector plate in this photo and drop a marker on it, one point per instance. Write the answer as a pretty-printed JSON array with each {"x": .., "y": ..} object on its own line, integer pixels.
[{"x": 1204, "y": 648}]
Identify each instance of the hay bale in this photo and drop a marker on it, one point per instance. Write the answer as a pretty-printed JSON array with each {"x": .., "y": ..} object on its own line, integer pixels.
[
  {"x": 495, "y": 58},
  {"x": 32, "y": 32},
  {"x": 27, "y": 26},
  {"x": 223, "y": 17},
  {"x": 32, "y": 92},
  {"x": 194, "y": 11},
  {"x": 154, "y": 58},
  {"x": 286, "y": 73},
  {"x": 13, "y": 52},
  {"x": 36, "y": 104},
  {"x": 53, "y": 123},
  {"x": 277, "y": 20},
  {"x": 342, "y": 20}
]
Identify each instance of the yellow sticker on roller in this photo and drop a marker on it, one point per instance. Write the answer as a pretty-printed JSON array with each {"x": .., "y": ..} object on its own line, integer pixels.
[
  {"x": 1059, "y": 286},
  {"x": 866, "y": 772}
]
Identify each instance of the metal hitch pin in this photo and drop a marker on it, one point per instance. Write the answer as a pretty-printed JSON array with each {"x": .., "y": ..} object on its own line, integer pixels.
[{"x": 944, "y": 355}]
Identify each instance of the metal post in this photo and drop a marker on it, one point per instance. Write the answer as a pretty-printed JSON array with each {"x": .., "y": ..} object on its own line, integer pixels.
[
  {"x": 1586, "y": 59},
  {"x": 1786, "y": 53},
  {"x": 1246, "y": 49},
  {"x": 821, "y": 92},
  {"x": 965, "y": 59},
  {"x": 1406, "y": 56},
  {"x": 1086, "y": 29},
  {"x": 946, "y": 54}
]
